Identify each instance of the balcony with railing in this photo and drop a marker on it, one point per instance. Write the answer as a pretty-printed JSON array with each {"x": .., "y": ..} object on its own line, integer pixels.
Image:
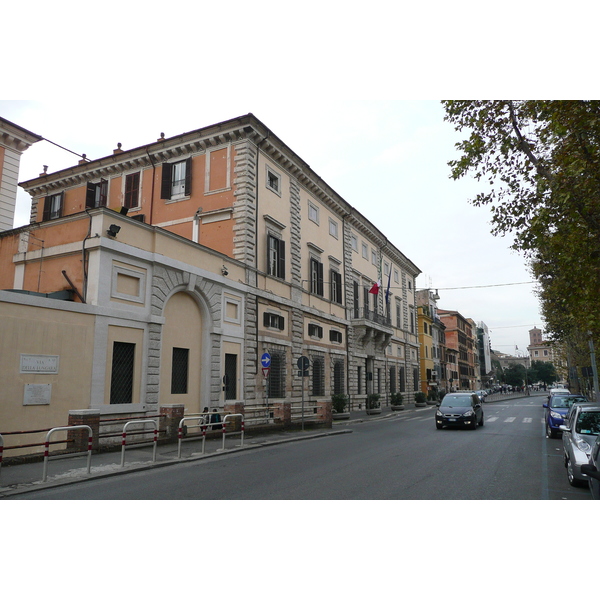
[{"x": 372, "y": 328}]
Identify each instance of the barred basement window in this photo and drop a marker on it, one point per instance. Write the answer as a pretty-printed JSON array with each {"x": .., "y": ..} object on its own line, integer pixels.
[
  {"x": 276, "y": 380},
  {"x": 318, "y": 376},
  {"x": 315, "y": 330},
  {"x": 121, "y": 381},
  {"x": 359, "y": 380},
  {"x": 392, "y": 380},
  {"x": 338, "y": 377},
  {"x": 179, "y": 371}
]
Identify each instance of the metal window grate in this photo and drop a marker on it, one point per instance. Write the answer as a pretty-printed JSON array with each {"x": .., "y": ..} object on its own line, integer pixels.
[
  {"x": 276, "y": 380},
  {"x": 121, "y": 382},
  {"x": 318, "y": 375},
  {"x": 392, "y": 380},
  {"x": 179, "y": 371},
  {"x": 338, "y": 377}
]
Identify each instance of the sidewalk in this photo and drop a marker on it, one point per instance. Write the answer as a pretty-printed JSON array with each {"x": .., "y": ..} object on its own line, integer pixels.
[{"x": 19, "y": 478}]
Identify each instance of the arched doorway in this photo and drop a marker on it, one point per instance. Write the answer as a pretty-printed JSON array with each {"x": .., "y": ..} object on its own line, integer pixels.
[{"x": 181, "y": 353}]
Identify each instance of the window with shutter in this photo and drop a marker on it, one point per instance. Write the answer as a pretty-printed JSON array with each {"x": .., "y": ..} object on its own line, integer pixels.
[
  {"x": 132, "y": 190},
  {"x": 96, "y": 194},
  {"x": 335, "y": 279},
  {"x": 53, "y": 207},
  {"x": 176, "y": 180},
  {"x": 275, "y": 256},
  {"x": 316, "y": 277}
]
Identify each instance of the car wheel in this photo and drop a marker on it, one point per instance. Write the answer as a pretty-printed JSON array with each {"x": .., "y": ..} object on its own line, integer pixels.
[
  {"x": 474, "y": 426},
  {"x": 438, "y": 426},
  {"x": 481, "y": 421},
  {"x": 549, "y": 432},
  {"x": 570, "y": 475}
]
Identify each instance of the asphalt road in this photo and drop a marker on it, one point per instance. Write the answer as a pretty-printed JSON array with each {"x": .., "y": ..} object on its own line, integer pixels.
[{"x": 404, "y": 457}]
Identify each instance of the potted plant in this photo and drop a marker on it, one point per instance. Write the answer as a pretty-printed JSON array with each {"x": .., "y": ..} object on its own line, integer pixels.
[
  {"x": 338, "y": 404},
  {"x": 420, "y": 399},
  {"x": 433, "y": 397},
  {"x": 373, "y": 405},
  {"x": 397, "y": 401}
]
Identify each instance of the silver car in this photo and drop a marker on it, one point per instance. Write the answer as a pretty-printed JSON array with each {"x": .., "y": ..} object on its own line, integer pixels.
[{"x": 579, "y": 434}]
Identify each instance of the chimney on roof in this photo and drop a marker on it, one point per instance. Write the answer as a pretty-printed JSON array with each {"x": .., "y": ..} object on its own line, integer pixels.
[
  {"x": 83, "y": 160},
  {"x": 118, "y": 149},
  {"x": 45, "y": 173},
  {"x": 161, "y": 138}
]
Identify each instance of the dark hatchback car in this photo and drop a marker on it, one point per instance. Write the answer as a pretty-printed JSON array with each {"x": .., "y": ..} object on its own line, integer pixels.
[
  {"x": 459, "y": 410},
  {"x": 557, "y": 409}
]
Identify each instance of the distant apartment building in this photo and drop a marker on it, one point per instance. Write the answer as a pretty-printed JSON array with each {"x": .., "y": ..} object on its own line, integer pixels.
[
  {"x": 460, "y": 338},
  {"x": 539, "y": 349},
  {"x": 432, "y": 335},
  {"x": 486, "y": 373}
]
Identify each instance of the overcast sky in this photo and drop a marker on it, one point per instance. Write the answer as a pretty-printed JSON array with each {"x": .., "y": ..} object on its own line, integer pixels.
[
  {"x": 388, "y": 159},
  {"x": 342, "y": 84}
]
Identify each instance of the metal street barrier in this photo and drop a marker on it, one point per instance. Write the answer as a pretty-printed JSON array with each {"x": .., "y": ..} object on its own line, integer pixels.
[
  {"x": 124, "y": 437},
  {"x": 47, "y": 447},
  {"x": 202, "y": 423},
  {"x": 233, "y": 432}
]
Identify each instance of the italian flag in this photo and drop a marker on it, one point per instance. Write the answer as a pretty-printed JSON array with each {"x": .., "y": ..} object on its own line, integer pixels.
[{"x": 375, "y": 288}]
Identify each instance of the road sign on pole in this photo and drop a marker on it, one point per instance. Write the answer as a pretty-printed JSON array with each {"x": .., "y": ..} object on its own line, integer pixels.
[
  {"x": 266, "y": 371},
  {"x": 265, "y": 360},
  {"x": 303, "y": 364}
]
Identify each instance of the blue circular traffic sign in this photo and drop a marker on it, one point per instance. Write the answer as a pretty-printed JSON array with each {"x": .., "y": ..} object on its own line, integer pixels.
[{"x": 265, "y": 360}]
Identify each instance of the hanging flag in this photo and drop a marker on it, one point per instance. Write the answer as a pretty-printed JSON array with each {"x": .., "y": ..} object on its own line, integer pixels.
[
  {"x": 375, "y": 288},
  {"x": 387, "y": 293}
]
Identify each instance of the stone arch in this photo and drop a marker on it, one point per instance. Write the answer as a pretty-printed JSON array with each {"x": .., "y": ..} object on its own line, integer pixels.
[{"x": 188, "y": 312}]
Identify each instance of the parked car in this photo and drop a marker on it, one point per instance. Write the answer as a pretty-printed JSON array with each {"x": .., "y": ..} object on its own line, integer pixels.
[
  {"x": 556, "y": 411},
  {"x": 482, "y": 394},
  {"x": 592, "y": 470},
  {"x": 459, "y": 410},
  {"x": 579, "y": 434}
]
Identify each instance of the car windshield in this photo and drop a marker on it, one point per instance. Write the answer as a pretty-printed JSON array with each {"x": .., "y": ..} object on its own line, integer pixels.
[
  {"x": 588, "y": 423},
  {"x": 456, "y": 400},
  {"x": 565, "y": 401}
]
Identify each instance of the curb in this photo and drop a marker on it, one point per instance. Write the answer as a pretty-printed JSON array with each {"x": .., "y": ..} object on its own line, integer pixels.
[{"x": 23, "y": 488}]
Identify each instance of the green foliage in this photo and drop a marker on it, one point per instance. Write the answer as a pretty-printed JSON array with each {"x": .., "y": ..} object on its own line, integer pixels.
[
  {"x": 339, "y": 402},
  {"x": 515, "y": 375},
  {"x": 373, "y": 401},
  {"x": 541, "y": 371},
  {"x": 539, "y": 163},
  {"x": 420, "y": 397},
  {"x": 433, "y": 396},
  {"x": 396, "y": 399}
]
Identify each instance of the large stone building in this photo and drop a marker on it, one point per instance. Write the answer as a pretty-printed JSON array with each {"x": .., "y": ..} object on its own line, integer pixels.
[
  {"x": 159, "y": 276},
  {"x": 14, "y": 140}
]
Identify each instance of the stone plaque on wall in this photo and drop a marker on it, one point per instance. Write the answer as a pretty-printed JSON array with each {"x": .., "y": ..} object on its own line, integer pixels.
[
  {"x": 39, "y": 363},
  {"x": 37, "y": 393}
]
